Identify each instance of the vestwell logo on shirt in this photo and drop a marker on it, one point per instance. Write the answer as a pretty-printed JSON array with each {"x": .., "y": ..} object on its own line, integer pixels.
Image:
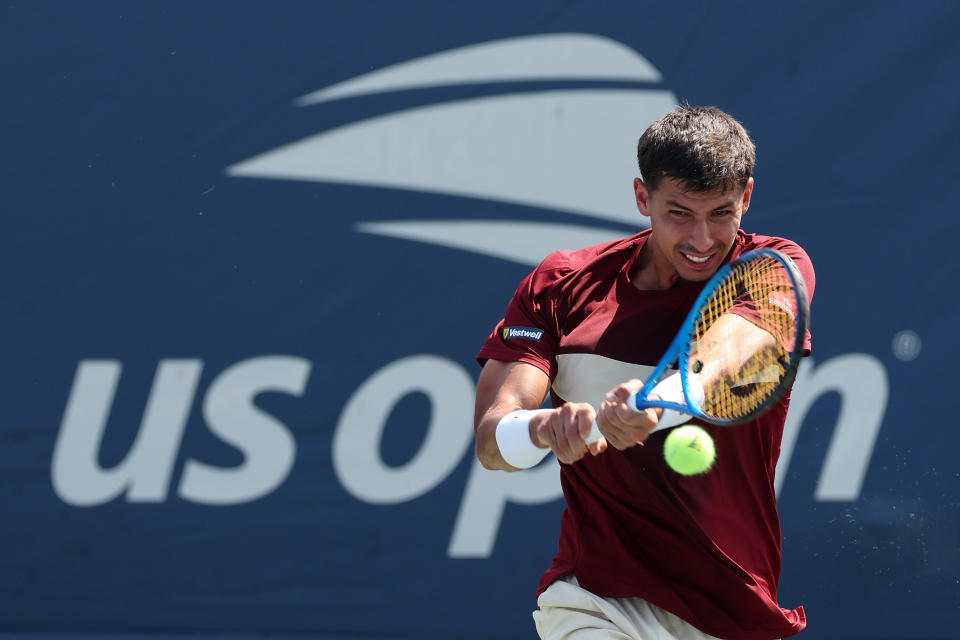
[{"x": 522, "y": 333}]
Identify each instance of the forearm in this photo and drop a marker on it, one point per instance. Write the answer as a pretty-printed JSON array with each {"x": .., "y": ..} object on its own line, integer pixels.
[
  {"x": 504, "y": 387},
  {"x": 728, "y": 346},
  {"x": 488, "y": 450}
]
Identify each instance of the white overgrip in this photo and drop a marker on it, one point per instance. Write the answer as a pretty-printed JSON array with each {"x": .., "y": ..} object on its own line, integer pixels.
[{"x": 671, "y": 390}]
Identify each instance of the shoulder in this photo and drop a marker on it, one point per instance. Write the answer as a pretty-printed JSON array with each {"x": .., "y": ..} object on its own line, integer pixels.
[
  {"x": 752, "y": 241},
  {"x": 799, "y": 256},
  {"x": 612, "y": 255}
]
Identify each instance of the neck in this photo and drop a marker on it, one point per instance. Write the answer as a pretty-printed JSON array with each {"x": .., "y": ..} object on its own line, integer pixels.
[{"x": 647, "y": 275}]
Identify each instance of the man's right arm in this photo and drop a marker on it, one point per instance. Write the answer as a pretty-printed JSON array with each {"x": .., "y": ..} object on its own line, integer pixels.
[{"x": 505, "y": 387}]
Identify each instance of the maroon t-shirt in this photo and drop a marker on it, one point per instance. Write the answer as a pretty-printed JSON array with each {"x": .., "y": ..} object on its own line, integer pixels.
[{"x": 706, "y": 547}]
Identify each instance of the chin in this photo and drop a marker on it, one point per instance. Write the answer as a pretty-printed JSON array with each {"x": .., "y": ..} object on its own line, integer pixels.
[
  {"x": 693, "y": 274},
  {"x": 697, "y": 277}
]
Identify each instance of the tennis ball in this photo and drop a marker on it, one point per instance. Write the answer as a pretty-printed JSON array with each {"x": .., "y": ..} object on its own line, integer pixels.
[{"x": 689, "y": 450}]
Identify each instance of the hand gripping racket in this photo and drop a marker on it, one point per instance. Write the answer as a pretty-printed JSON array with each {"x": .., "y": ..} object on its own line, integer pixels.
[{"x": 739, "y": 347}]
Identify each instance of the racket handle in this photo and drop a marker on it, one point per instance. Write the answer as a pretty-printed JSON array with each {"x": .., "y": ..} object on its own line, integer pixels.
[
  {"x": 669, "y": 389},
  {"x": 594, "y": 434}
]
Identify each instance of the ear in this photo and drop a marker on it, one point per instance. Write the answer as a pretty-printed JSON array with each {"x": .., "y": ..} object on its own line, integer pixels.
[
  {"x": 747, "y": 194},
  {"x": 642, "y": 195}
]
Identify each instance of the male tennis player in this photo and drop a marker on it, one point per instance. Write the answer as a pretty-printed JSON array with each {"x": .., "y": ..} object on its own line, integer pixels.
[{"x": 644, "y": 552}]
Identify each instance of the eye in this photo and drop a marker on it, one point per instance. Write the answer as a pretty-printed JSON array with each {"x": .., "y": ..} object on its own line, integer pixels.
[
  {"x": 679, "y": 213},
  {"x": 722, "y": 213}
]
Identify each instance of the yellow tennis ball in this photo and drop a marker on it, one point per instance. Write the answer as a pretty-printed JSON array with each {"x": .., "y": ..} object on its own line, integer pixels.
[{"x": 689, "y": 450}]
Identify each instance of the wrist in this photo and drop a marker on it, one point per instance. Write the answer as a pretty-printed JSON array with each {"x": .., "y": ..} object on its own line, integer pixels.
[{"x": 518, "y": 446}]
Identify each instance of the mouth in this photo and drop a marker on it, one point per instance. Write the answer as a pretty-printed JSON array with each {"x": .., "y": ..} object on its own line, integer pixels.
[{"x": 696, "y": 260}]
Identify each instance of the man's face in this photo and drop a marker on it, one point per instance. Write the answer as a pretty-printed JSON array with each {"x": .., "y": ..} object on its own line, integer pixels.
[{"x": 692, "y": 232}]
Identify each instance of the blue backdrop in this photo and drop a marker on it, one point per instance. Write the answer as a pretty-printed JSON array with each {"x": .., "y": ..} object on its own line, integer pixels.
[{"x": 251, "y": 249}]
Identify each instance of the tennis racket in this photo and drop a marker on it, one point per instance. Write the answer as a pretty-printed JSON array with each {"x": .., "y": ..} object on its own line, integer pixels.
[{"x": 739, "y": 347}]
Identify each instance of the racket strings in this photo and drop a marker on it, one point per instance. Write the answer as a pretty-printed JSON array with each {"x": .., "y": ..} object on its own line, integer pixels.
[{"x": 749, "y": 364}]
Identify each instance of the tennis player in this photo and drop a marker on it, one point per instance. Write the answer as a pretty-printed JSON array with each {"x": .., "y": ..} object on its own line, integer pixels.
[{"x": 644, "y": 552}]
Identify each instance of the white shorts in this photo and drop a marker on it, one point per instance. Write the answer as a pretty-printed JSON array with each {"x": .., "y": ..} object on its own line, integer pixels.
[{"x": 570, "y": 612}]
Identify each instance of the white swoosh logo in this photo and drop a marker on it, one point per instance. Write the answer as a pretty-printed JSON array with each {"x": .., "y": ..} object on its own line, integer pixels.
[
  {"x": 558, "y": 56},
  {"x": 561, "y": 150}
]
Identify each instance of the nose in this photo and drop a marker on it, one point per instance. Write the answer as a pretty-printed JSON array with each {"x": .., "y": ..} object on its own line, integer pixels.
[{"x": 701, "y": 239}]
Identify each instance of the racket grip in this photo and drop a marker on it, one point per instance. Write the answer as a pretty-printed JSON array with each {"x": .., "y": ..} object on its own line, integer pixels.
[
  {"x": 671, "y": 390},
  {"x": 594, "y": 434}
]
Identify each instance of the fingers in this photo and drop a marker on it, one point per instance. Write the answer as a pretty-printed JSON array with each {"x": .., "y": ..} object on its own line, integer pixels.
[
  {"x": 565, "y": 430},
  {"x": 622, "y": 425},
  {"x": 598, "y": 447},
  {"x": 621, "y": 392}
]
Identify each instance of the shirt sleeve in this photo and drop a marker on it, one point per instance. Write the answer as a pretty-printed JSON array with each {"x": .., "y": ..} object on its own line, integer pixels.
[
  {"x": 805, "y": 267},
  {"x": 529, "y": 330}
]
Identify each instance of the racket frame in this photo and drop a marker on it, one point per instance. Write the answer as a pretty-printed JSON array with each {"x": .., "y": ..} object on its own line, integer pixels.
[{"x": 679, "y": 349}]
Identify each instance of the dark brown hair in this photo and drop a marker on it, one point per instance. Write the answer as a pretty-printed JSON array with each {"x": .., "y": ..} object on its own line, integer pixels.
[{"x": 703, "y": 147}]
